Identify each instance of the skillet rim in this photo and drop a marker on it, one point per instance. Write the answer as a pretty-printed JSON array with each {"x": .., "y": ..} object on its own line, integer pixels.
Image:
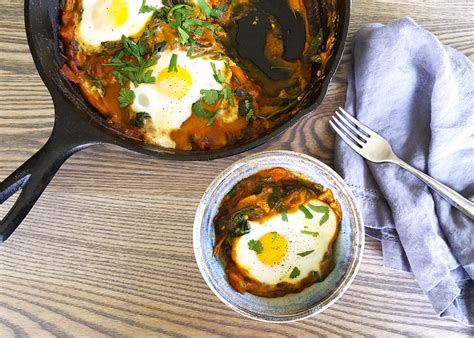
[{"x": 110, "y": 135}]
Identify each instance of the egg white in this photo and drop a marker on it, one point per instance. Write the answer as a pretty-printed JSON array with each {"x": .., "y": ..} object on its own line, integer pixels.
[
  {"x": 108, "y": 20},
  {"x": 247, "y": 259},
  {"x": 166, "y": 111}
]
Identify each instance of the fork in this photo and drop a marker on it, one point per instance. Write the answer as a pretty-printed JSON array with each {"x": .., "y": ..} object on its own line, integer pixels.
[{"x": 375, "y": 148}]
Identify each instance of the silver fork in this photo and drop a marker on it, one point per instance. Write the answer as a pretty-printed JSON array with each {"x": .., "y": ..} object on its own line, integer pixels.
[{"x": 375, "y": 148}]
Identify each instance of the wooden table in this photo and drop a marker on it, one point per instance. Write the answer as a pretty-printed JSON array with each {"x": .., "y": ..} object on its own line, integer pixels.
[{"x": 107, "y": 250}]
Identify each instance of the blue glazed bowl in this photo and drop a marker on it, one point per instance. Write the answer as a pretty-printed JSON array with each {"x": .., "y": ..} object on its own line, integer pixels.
[{"x": 291, "y": 307}]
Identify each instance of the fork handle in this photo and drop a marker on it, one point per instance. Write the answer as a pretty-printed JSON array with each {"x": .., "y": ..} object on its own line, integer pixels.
[{"x": 454, "y": 198}]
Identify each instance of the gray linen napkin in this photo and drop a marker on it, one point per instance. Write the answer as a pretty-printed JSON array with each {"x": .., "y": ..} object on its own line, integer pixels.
[{"x": 417, "y": 93}]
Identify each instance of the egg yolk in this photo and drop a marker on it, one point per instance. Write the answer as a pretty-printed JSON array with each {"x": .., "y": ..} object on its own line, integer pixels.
[
  {"x": 274, "y": 250},
  {"x": 175, "y": 84},
  {"x": 116, "y": 14}
]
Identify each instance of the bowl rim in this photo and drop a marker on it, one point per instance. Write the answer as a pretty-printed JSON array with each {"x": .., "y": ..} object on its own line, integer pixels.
[{"x": 358, "y": 245}]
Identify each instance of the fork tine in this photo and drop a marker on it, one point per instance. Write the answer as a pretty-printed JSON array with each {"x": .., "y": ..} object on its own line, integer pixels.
[
  {"x": 349, "y": 142},
  {"x": 354, "y": 130},
  {"x": 347, "y": 132},
  {"x": 356, "y": 122}
]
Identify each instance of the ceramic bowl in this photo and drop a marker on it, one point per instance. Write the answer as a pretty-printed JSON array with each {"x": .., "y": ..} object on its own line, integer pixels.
[{"x": 313, "y": 299}]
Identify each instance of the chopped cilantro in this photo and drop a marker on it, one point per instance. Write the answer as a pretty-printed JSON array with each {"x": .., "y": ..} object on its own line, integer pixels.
[
  {"x": 200, "y": 111},
  {"x": 197, "y": 23},
  {"x": 305, "y": 253},
  {"x": 228, "y": 93},
  {"x": 284, "y": 215},
  {"x": 306, "y": 212},
  {"x": 138, "y": 71},
  {"x": 122, "y": 79},
  {"x": 217, "y": 74},
  {"x": 145, "y": 8},
  {"x": 191, "y": 49},
  {"x": 255, "y": 245},
  {"x": 321, "y": 209},
  {"x": 126, "y": 97},
  {"x": 183, "y": 36},
  {"x": 198, "y": 32},
  {"x": 208, "y": 11},
  {"x": 324, "y": 219},
  {"x": 211, "y": 120},
  {"x": 294, "y": 273},
  {"x": 135, "y": 49},
  {"x": 312, "y": 233},
  {"x": 173, "y": 63},
  {"x": 210, "y": 96}
]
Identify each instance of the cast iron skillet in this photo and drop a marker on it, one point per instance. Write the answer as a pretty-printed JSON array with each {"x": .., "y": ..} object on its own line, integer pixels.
[{"x": 78, "y": 126}]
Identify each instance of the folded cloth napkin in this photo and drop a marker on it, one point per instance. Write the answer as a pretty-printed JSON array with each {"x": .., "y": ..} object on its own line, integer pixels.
[{"x": 419, "y": 95}]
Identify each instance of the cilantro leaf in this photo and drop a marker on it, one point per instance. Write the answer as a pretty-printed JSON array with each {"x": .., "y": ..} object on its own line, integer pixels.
[
  {"x": 183, "y": 36},
  {"x": 217, "y": 74},
  {"x": 189, "y": 23},
  {"x": 191, "y": 49},
  {"x": 324, "y": 219},
  {"x": 228, "y": 93},
  {"x": 211, "y": 120},
  {"x": 198, "y": 32},
  {"x": 255, "y": 245},
  {"x": 120, "y": 78},
  {"x": 145, "y": 8},
  {"x": 173, "y": 63},
  {"x": 319, "y": 208},
  {"x": 126, "y": 70},
  {"x": 295, "y": 273},
  {"x": 126, "y": 97},
  {"x": 306, "y": 212},
  {"x": 312, "y": 233},
  {"x": 147, "y": 77},
  {"x": 210, "y": 96},
  {"x": 208, "y": 11},
  {"x": 200, "y": 111},
  {"x": 133, "y": 48},
  {"x": 305, "y": 253},
  {"x": 284, "y": 215}
]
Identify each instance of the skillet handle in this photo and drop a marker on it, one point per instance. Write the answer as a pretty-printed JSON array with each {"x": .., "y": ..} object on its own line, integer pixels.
[{"x": 33, "y": 177}]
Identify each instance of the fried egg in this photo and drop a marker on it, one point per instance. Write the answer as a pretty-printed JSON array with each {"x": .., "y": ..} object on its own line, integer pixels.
[
  {"x": 169, "y": 100},
  {"x": 108, "y": 20},
  {"x": 299, "y": 243}
]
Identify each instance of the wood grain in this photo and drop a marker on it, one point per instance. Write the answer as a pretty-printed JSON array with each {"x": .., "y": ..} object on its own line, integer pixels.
[{"x": 107, "y": 250}]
